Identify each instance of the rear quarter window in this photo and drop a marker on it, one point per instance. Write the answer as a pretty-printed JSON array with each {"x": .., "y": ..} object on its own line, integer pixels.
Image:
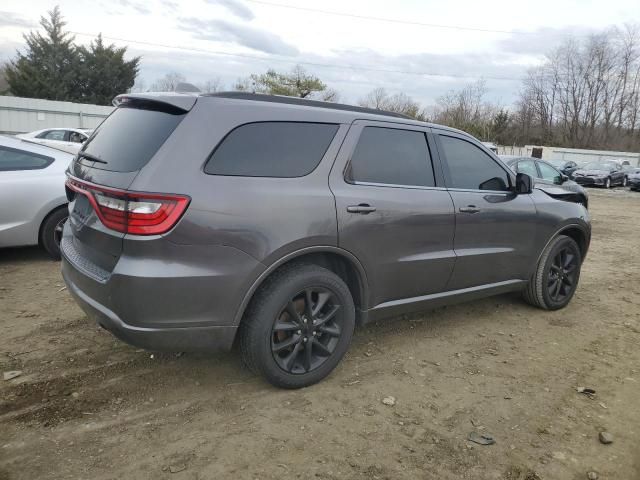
[{"x": 272, "y": 149}]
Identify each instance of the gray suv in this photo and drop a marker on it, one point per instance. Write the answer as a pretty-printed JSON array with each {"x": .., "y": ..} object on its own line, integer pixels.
[{"x": 200, "y": 220}]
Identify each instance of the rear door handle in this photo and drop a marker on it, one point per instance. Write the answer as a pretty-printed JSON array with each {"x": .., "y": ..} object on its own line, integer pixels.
[
  {"x": 363, "y": 208},
  {"x": 469, "y": 209}
]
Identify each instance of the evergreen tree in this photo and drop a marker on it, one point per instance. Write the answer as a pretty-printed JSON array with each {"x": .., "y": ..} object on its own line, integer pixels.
[
  {"x": 50, "y": 65},
  {"x": 105, "y": 73}
]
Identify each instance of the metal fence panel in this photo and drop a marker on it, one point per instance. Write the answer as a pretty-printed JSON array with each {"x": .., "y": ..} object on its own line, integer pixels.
[{"x": 20, "y": 115}]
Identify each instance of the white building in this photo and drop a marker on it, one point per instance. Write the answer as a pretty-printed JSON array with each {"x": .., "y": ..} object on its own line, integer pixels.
[{"x": 20, "y": 115}]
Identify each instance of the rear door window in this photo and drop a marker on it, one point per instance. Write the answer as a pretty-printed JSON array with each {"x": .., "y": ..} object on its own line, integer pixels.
[
  {"x": 470, "y": 168},
  {"x": 129, "y": 137},
  {"x": 12, "y": 159},
  {"x": 391, "y": 156},
  {"x": 272, "y": 149}
]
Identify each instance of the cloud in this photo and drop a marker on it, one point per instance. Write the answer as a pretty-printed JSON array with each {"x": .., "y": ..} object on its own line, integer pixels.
[
  {"x": 246, "y": 36},
  {"x": 170, "y": 4},
  {"x": 10, "y": 19},
  {"x": 137, "y": 6},
  {"x": 543, "y": 40},
  {"x": 235, "y": 7},
  {"x": 354, "y": 83}
]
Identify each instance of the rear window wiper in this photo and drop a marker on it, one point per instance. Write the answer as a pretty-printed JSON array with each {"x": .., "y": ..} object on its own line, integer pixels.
[{"x": 93, "y": 158}]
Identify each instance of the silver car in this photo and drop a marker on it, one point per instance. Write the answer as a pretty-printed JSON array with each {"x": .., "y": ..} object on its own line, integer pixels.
[{"x": 32, "y": 187}]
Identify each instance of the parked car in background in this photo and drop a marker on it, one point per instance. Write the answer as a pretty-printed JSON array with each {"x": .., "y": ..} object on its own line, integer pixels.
[
  {"x": 67, "y": 139},
  {"x": 32, "y": 194},
  {"x": 633, "y": 178},
  {"x": 567, "y": 167},
  {"x": 286, "y": 220},
  {"x": 605, "y": 174},
  {"x": 546, "y": 174}
]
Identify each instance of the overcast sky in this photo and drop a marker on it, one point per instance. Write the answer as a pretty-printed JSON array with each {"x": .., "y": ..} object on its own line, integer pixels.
[{"x": 351, "y": 54}]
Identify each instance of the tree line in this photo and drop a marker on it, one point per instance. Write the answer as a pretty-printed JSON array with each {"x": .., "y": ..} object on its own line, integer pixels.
[{"x": 586, "y": 94}]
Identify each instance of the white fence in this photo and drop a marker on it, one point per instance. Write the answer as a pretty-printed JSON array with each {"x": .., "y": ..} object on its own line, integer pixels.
[
  {"x": 20, "y": 115},
  {"x": 578, "y": 155}
]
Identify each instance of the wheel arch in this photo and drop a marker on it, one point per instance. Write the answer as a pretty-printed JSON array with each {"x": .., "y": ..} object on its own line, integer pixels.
[
  {"x": 574, "y": 231},
  {"x": 340, "y": 261}
]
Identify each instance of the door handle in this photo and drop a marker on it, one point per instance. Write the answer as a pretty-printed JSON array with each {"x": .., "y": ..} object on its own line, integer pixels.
[
  {"x": 469, "y": 209},
  {"x": 363, "y": 208}
]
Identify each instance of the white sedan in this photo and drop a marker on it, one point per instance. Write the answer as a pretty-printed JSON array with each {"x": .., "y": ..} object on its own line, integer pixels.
[
  {"x": 67, "y": 139},
  {"x": 33, "y": 195}
]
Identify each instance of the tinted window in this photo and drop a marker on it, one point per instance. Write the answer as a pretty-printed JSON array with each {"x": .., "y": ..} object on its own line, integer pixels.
[
  {"x": 471, "y": 168},
  {"x": 528, "y": 167},
  {"x": 391, "y": 156},
  {"x": 547, "y": 172},
  {"x": 14, "y": 159},
  {"x": 272, "y": 149},
  {"x": 129, "y": 137}
]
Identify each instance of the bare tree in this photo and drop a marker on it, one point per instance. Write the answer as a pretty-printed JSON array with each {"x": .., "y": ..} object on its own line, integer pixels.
[
  {"x": 211, "y": 86},
  {"x": 585, "y": 94},
  {"x": 380, "y": 99},
  {"x": 168, "y": 83}
]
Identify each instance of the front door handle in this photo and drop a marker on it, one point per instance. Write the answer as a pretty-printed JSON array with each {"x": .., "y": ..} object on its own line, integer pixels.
[
  {"x": 469, "y": 209},
  {"x": 363, "y": 208}
]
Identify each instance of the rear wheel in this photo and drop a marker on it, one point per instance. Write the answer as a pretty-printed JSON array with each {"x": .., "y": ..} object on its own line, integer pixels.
[
  {"x": 556, "y": 277},
  {"x": 51, "y": 232},
  {"x": 298, "y": 327}
]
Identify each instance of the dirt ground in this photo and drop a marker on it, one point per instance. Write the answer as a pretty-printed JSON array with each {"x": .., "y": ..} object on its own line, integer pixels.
[{"x": 89, "y": 406}]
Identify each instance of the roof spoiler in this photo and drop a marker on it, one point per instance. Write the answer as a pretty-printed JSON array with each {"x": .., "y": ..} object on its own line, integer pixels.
[{"x": 181, "y": 101}]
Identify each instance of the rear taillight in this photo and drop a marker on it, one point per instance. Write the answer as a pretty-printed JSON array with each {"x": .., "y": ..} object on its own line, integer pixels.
[{"x": 137, "y": 213}]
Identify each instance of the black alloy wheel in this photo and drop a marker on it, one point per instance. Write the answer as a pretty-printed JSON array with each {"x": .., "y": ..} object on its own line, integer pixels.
[
  {"x": 562, "y": 276},
  {"x": 307, "y": 330},
  {"x": 557, "y": 274},
  {"x": 298, "y": 326}
]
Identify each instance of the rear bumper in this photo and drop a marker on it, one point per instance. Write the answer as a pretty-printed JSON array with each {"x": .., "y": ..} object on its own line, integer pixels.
[
  {"x": 187, "y": 339},
  {"x": 163, "y": 296}
]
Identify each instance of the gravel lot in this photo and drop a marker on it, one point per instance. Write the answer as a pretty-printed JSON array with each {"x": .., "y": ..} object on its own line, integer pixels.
[{"x": 89, "y": 406}]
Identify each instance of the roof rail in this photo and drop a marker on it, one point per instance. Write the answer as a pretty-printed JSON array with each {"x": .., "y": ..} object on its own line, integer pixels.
[{"x": 261, "y": 97}]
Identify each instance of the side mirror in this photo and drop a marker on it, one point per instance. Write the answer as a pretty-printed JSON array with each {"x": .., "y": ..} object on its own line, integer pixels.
[
  {"x": 524, "y": 183},
  {"x": 563, "y": 178}
]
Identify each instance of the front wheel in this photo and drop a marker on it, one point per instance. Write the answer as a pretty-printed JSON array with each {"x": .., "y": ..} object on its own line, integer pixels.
[
  {"x": 298, "y": 326},
  {"x": 624, "y": 181},
  {"x": 607, "y": 183},
  {"x": 556, "y": 277}
]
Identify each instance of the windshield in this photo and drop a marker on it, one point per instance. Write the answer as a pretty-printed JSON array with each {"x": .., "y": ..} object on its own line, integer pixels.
[{"x": 600, "y": 166}]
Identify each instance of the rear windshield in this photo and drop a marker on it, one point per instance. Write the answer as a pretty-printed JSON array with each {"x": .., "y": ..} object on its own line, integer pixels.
[{"x": 128, "y": 138}]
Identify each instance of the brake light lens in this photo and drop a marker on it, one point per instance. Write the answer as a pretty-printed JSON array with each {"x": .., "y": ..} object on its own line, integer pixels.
[{"x": 136, "y": 213}]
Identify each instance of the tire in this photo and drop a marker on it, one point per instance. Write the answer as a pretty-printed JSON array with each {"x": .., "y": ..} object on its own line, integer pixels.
[
  {"x": 541, "y": 289},
  {"x": 51, "y": 232},
  {"x": 624, "y": 182},
  {"x": 270, "y": 323},
  {"x": 607, "y": 183}
]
